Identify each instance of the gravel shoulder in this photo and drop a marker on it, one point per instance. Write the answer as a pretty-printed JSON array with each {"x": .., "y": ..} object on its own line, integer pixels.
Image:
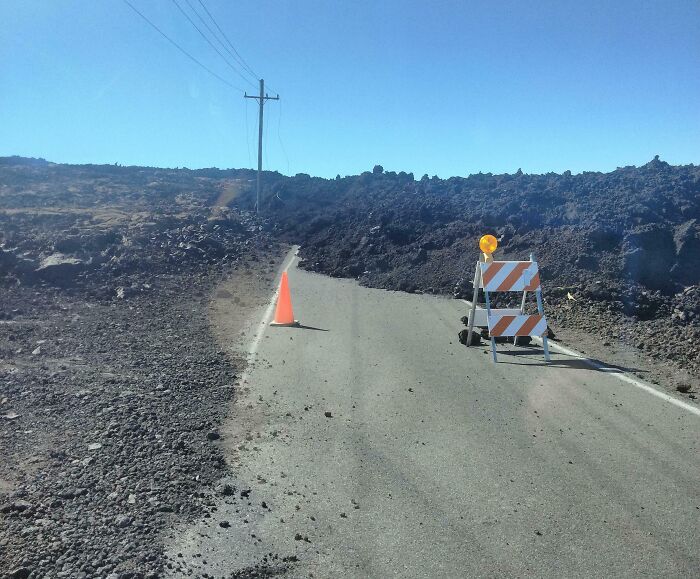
[
  {"x": 112, "y": 386},
  {"x": 111, "y": 412},
  {"x": 236, "y": 307}
]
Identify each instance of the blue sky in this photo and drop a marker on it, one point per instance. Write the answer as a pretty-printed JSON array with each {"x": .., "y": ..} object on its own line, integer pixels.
[{"x": 442, "y": 87}]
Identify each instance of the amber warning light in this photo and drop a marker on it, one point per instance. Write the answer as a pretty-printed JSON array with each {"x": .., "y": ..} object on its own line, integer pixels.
[{"x": 488, "y": 244}]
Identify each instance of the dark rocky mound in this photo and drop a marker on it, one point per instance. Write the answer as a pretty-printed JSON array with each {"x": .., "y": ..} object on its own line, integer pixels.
[{"x": 632, "y": 226}]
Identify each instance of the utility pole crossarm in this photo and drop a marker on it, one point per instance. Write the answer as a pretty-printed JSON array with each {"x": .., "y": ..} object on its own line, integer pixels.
[
  {"x": 261, "y": 98},
  {"x": 266, "y": 97}
]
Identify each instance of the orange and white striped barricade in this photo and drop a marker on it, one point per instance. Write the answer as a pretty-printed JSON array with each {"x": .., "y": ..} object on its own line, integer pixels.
[
  {"x": 478, "y": 316},
  {"x": 510, "y": 276}
]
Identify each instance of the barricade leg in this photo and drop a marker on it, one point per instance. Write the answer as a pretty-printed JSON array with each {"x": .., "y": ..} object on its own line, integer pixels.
[
  {"x": 522, "y": 311},
  {"x": 472, "y": 314},
  {"x": 488, "y": 314},
  {"x": 545, "y": 346},
  {"x": 540, "y": 310}
]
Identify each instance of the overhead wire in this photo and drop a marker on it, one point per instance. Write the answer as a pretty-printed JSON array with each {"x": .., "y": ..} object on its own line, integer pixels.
[
  {"x": 221, "y": 43},
  {"x": 240, "y": 59},
  {"x": 211, "y": 44},
  {"x": 235, "y": 55},
  {"x": 176, "y": 45}
]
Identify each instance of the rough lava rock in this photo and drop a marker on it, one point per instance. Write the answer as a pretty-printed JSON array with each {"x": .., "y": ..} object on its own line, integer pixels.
[{"x": 60, "y": 268}]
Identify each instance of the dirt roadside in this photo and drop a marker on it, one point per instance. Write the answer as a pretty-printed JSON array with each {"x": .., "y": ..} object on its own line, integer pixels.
[
  {"x": 110, "y": 415},
  {"x": 236, "y": 307}
]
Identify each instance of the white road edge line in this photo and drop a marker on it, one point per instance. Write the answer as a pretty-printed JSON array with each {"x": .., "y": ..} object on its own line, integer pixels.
[
  {"x": 267, "y": 316},
  {"x": 617, "y": 373}
]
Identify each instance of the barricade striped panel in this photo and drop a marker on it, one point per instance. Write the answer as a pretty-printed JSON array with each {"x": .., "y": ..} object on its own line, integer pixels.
[
  {"x": 501, "y": 324},
  {"x": 510, "y": 276}
]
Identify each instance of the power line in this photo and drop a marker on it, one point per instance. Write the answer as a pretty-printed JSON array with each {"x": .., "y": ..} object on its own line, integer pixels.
[
  {"x": 240, "y": 58},
  {"x": 211, "y": 44},
  {"x": 221, "y": 42},
  {"x": 176, "y": 45}
]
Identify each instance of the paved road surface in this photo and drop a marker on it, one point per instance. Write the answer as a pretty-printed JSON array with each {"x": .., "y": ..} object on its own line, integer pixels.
[{"x": 438, "y": 463}]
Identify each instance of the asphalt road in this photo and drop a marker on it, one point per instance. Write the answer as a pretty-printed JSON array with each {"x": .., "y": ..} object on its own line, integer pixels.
[{"x": 436, "y": 462}]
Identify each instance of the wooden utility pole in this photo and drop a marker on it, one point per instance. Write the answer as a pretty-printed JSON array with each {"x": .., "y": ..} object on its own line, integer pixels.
[{"x": 261, "y": 101}]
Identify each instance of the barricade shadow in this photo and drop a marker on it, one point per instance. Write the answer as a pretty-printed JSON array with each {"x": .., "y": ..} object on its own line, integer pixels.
[{"x": 573, "y": 363}]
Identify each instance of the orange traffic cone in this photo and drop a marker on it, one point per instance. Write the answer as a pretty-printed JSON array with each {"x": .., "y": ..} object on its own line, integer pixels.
[{"x": 284, "y": 316}]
